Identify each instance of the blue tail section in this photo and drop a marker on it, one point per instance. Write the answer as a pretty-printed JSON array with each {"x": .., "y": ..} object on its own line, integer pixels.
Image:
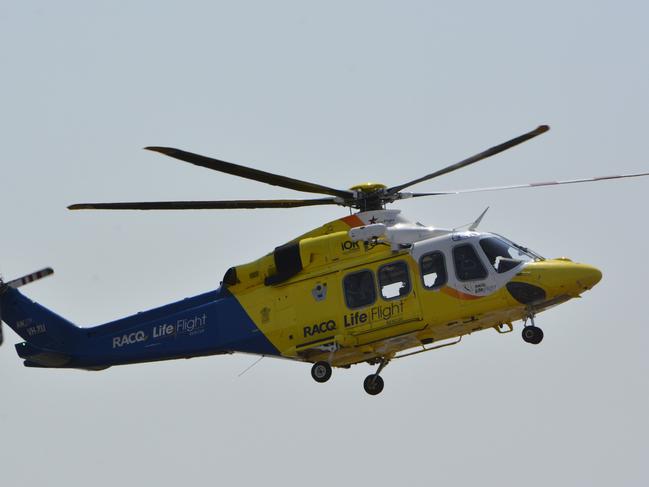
[
  {"x": 35, "y": 323},
  {"x": 207, "y": 324},
  {"x": 48, "y": 337}
]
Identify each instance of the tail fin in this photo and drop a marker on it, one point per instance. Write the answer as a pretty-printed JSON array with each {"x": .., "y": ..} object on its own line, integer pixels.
[{"x": 46, "y": 334}]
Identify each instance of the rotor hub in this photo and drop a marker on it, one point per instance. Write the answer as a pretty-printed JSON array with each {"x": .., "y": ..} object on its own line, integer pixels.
[
  {"x": 368, "y": 187},
  {"x": 369, "y": 196}
]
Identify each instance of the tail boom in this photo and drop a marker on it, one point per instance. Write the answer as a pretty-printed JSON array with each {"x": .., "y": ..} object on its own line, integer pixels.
[{"x": 208, "y": 324}]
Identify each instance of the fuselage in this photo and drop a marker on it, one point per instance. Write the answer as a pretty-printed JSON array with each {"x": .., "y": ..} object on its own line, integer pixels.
[
  {"x": 355, "y": 300},
  {"x": 360, "y": 288}
]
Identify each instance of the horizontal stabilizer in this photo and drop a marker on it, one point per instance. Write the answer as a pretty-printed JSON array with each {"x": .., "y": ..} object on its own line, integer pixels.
[
  {"x": 37, "y": 357},
  {"x": 34, "y": 276}
]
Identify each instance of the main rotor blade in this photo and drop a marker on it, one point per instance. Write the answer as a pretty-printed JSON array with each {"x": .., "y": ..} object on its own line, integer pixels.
[
  {"x": 250, "y": 173},
  {"x": 203, "y": 205},
  {"x": 478, "y": 157},
  {"x": 528, "y": 185}
]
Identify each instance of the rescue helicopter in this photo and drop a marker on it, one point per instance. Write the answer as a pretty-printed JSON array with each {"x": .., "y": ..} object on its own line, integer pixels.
[{"x": 370, "y": 287}]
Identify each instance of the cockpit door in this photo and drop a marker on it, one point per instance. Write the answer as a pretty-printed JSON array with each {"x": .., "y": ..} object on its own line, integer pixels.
[{"x": 474, "y": 278}]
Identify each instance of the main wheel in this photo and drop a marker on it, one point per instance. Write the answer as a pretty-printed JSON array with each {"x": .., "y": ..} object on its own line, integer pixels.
[
  {"x": 373, "y": 384},
  {"x": 321, "y": 372},
  {"x": 532, "y": 334}
]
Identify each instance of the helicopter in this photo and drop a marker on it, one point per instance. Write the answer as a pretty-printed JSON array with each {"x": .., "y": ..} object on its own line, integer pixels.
[{"x": 370, "y": 287}]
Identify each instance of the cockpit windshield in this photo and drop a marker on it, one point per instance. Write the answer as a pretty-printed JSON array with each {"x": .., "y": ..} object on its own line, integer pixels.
[{"x": 504, "y": 254}]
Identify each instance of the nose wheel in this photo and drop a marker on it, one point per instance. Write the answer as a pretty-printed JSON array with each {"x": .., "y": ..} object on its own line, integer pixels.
[{"x": 532, "y": 333}]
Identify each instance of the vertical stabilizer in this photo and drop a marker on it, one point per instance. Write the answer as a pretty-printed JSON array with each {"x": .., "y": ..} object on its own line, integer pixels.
[{"x": 41, "y": 328}]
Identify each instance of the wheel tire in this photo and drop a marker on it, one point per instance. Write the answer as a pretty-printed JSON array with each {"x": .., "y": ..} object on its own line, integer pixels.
[
  {"x": 532, "y": 334},
  {"x": 321, "y": 372},
  {"x": 373, "y": 384}
]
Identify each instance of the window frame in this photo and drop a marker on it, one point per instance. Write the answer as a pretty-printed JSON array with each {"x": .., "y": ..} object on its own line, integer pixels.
[
  {"x": 421, "y": 270},
  {"x": 477, "y": 254},
  {"x": 378, "y": 280},
  {"x": 359, "y": 271}
]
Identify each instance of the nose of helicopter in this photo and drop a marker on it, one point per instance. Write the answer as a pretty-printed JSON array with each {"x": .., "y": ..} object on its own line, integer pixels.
[
  {"x": 588, "y": 276},
  {"x": 562, "y": 276},
  {"x": 540, "y": 281},
  {"x": 569, "y": 275}
]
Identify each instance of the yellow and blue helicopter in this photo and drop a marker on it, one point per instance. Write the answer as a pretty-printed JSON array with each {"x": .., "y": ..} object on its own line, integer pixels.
[{"x": 370, "y": 287}]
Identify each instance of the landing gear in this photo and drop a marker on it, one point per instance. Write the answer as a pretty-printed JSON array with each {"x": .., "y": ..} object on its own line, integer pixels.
[
  {"x": 321, "y": 372},
  {"x": 532, "y": 333},
  {"x": 373, "y": 383}
]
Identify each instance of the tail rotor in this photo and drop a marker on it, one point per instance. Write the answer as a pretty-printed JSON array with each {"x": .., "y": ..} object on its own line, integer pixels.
[
  {"x": 3, "y": 287},
  {"x": 16, "y": 283}
]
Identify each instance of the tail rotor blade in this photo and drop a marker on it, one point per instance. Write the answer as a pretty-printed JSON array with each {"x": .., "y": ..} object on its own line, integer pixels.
[
  {"x": 3, "y": 286},
  {"x": 21, "y": 281},
  {"x": 34, "y": 276}
]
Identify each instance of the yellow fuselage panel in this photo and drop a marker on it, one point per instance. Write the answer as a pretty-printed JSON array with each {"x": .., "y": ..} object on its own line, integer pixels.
[
  {"x": 320, "y": 247},
  {"x": 306, "y": 316}
]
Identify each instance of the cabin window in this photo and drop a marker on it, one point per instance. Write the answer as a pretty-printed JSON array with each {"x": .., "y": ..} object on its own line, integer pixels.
[
  {"x": 359, "y": 289},
  {"x": 468, "y": 266},
  {"x": 394, "y": 281},
  {"x": 433, "y": 270},
  {"x": 502, "y": 255}
]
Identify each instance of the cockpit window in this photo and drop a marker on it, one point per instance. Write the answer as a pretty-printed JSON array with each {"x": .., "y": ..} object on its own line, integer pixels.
[
  {"x": 504, "y": 255},
  {"x": 467, "y": 263},
  {"x": 525, "y": 250}
]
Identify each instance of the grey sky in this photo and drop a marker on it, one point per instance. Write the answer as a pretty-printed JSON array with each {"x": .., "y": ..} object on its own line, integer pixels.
[{"x": 338, "y": 93}]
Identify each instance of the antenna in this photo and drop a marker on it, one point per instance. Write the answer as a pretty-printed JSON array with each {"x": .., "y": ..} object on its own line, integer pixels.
[
  {"x": 475, "y": 224},
  {"x": 250, "y": 367}
]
